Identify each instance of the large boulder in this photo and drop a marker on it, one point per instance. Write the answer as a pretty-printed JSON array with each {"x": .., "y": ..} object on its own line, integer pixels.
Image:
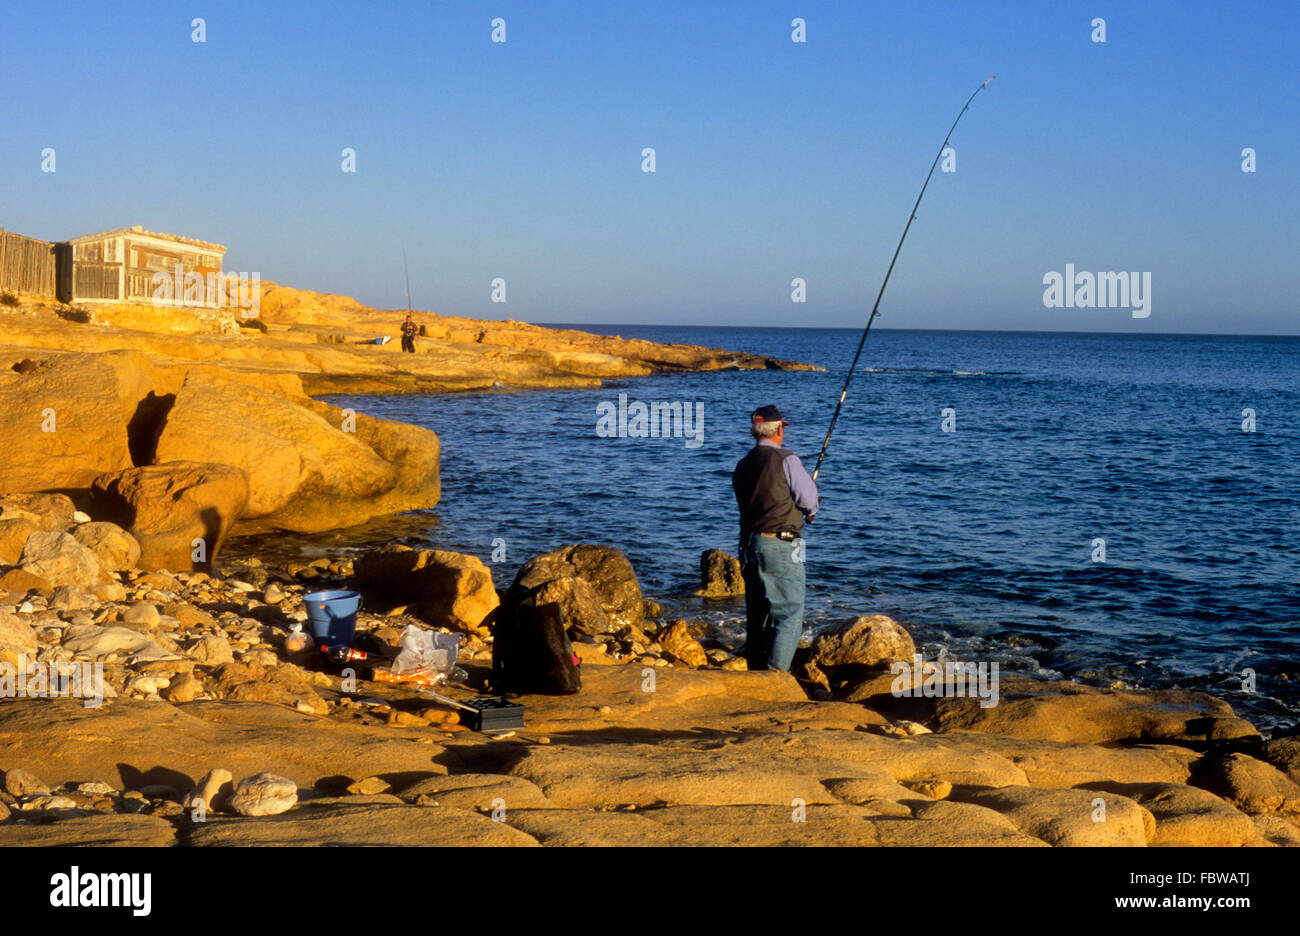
[
  {"x": 67, "y": 421},
  {"x": 865, "y": 643},
  {"x": 604, "y": 568},
  {"x": 311, "y": 467},
  {"x": 448, "y": 589},
  {"x": 115, "y": 548},
  {"x": 46, "y": 511},
  {"x": 168, "y": 507},
  {"x": 720, "y": 575},
  {"x": 61, "y": 560},
  {"x": 578, "y": 604},
  {"x": 13, "y": 537}
]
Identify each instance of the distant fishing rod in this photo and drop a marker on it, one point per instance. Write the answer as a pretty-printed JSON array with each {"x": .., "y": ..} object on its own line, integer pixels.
[
  {"x": 876, "y": 308},
  {"x": 407, "y": 271}
]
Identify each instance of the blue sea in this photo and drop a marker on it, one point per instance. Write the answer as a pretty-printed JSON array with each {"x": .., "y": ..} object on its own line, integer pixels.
[{"x": 986, "y": 539}]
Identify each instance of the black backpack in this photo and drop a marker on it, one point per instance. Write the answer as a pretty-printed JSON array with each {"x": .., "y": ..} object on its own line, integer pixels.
[{"x": 531, "y": 652}]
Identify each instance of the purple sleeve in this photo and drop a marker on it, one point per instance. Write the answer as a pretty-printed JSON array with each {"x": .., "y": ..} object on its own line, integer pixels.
[{"x": 802, "y": 487}]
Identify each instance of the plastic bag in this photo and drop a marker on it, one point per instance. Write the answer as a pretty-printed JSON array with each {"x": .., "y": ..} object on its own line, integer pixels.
[{"x": 428, "y": 655}]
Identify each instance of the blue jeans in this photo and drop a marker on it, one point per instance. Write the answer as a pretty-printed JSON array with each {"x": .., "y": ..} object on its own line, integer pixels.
[{"x": 773, "y": 601}]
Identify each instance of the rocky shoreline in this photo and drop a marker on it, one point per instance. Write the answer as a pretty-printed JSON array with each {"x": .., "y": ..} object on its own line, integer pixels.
[
  {"x": 670, "y": 740},
  {"x": 153, "y": 693}
]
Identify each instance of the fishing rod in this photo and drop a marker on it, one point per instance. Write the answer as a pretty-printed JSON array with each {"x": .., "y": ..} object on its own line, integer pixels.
[{"x": 876, "y": 308}]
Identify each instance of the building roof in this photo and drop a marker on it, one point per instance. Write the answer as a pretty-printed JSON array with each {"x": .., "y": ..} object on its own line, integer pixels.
[{"x": 206, "y": 245}]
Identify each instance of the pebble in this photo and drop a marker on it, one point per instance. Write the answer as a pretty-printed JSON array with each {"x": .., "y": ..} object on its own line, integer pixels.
[
  {"x": 95, "y": 788},
  {"x": 142, "y": 612},
  {"x": 79, "y": 516},
  {"x": 240, "y": 586},
  {"x": 210, "y": 787},
  {"x": 148, "y": 684},
  {"x": 184, "y": 688},
  {"x": 369, "y": 786},
  {"x": 405, "y": 719},
  {"x": 264, "y": 794},
  {"x": 272, "y": 594}
]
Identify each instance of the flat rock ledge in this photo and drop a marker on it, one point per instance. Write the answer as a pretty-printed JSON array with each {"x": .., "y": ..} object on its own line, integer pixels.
[{"x": 642, "y": 756}]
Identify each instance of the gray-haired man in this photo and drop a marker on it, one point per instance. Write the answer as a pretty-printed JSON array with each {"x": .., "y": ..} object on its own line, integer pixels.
[{"x": 776, "y": 496}]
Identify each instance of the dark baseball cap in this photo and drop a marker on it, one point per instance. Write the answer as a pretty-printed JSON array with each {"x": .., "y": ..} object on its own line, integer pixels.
[{"x": 768, "y": 414}]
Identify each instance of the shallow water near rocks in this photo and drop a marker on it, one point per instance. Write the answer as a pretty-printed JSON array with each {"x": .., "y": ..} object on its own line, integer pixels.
[{"x": 981, "y": 540}]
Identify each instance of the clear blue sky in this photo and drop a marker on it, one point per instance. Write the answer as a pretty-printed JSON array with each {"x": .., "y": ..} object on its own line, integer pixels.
[{"x": 774, "y": 159}]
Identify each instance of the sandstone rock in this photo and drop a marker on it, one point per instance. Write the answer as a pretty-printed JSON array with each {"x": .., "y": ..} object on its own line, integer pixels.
[
  {"x": 578, "y": 604},
  {"x": 1186, "y": 815},
  {"x": 60, "y": 559},
  {"x": 93, "y": 641},
  {"x": 22, "y": 581},
  {"x": 605, "y": 568},
  {"x": 1060, "y": 710},
  {"x": 263, "y": 794},
  {"x": 272, "y": 594},
  {"x": 115, "y": 548},
  {"x": 477, "y": 791},
  {"x": 305, "y": 473},
  {"x": 1068, "y": 817},
  {"x": 369, "y": 786},
  {"x": 108, "y": 591},
  {"x": 677, "y": 640},
  {"x": 17, "y": 634},
  {"x": 20, "y": 782},
  {"x": 1249, "y": 784},
  {"x": 13, "y": 537},
  {"x": 340, "y": 824},
  {"x": 213, "y": 789},
  {"x": 69, "y": 420},
  {"x": 143, "y": 613},
  {"x": 70, "y": 598},
  {"x": 212, "y": 650},
  {"x": 868, "y": 642},
  {"x": 449, "y": 589},
  {"x": 720, "y": 575},
  {"x": 45, "y": 511},
  {"x": 184, "y": 688},
  {"x": 282, "y": 685},
  {"x": 92, "y": 829},
  {"x": 1284, "y": 754},
  {"x": 168, "y": 507}
]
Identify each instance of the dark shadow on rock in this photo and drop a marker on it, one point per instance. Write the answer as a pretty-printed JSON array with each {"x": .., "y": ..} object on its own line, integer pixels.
[
  {"x": 133, "y": 778},
  {"x": 145, "y": 425}
]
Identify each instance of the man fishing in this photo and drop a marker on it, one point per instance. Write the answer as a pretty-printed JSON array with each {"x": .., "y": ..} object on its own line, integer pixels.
[
  {"x": 776, "y": 496},
  {"x": 409, "y": 328}
]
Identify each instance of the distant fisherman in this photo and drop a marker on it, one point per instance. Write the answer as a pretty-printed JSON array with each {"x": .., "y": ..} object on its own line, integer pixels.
[
  {"x": 776, "y": 496},
  {"x": 409, "y": 328}
]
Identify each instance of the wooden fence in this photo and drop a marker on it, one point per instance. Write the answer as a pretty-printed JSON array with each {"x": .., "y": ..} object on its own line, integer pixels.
[{"x": 26, "y": 264}]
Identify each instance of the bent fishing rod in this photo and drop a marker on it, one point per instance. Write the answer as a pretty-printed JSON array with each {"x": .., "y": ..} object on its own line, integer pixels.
[{"x": 875, "y": 309}]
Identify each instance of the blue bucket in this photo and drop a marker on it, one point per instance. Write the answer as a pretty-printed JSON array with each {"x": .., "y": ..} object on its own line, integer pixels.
[{"x": 333, "y": 616}]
